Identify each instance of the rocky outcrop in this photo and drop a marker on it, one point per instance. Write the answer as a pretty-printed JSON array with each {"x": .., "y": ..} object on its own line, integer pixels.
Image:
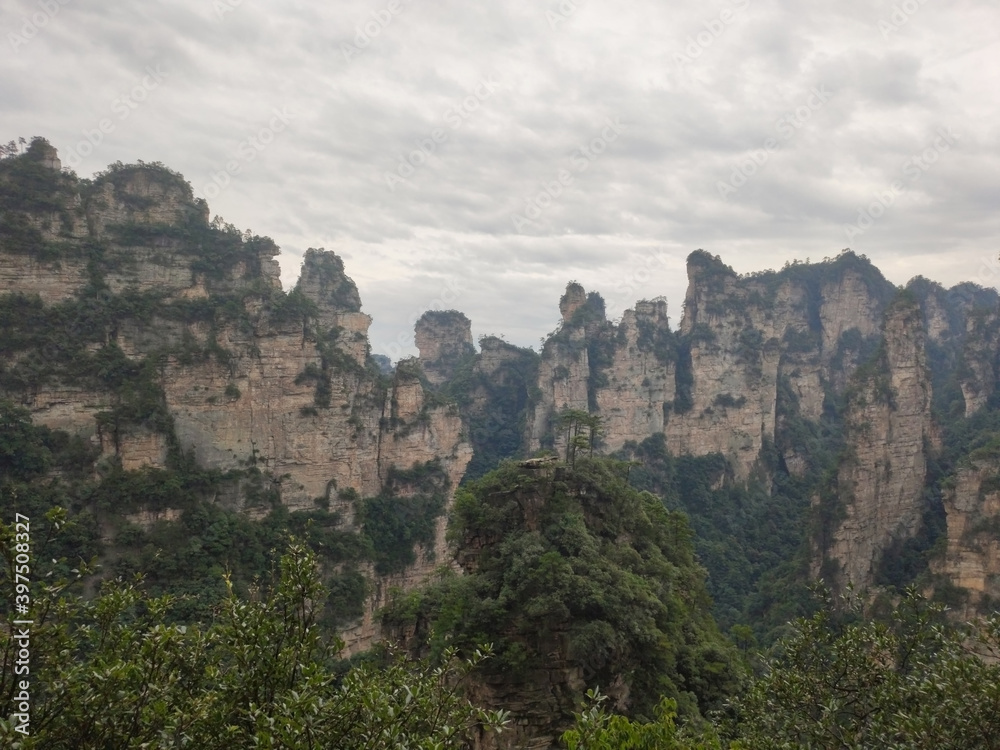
[
  {"x": 51, "y": 280},
  {"x": 980, "y": 358},
  {"x": 572, "y": 300},
  {"x": 196, "y": 350},
  {"x": 564, "y": 370},
  {"x": 714, "y": 384},
  {"x": 889, "y": 433},
  {"x": 640, "y": 382},
  {"x": 338, "y": 304},
  {"x": 971, "y": 561},
  {"x": 255, "y": 402},
  {"x": 444, "y": 340}
]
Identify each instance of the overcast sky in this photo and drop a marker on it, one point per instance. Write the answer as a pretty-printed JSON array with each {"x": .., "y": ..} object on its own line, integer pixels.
[{"x": 478, "y": 155}]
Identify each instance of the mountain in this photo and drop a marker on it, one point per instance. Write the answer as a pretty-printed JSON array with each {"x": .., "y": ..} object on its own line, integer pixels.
[
  {"x": 156, "y": 379},
  {"x": 812, "y": 422},
  {"x": 164, "y": 342}
]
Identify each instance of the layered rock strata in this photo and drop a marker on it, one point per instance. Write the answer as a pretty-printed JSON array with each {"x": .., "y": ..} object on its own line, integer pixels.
[
  {"x": 241, "y": 374},
  {"x": 444, "y": 340},
  {"x": 971, "y": 561},
  {"x": 714, "y": 384},
  {"x": 889, "y": 434}
]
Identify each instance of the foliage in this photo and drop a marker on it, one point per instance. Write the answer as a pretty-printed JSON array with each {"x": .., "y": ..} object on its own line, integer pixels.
[
  {"x": 495, "y": 404},
  {"x": 23, "y": 453},
  {"x": 579, "y": 556},
  {"x": 260, "y": 675},
  {"x": 747, "y": 535},
  {"x": 854, "y": 681},
  {"x": 582, "y": 432},
  {"x": 27, "y": 185},
  {"x": 404, "y": 515},
  {"x": 660, "y": 340},
  {"x": 595, "y": 729}
]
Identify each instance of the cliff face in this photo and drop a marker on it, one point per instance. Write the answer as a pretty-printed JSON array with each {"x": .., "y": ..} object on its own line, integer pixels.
[
  {"x": 639, "y": 386},
  {"x": 779, "y": 371},
  {"x": 444, "y": 340},
  {"x": 979, "y": 359},
  {"x": 972, "y": 558},
  {"x": 889, "y": 434},
  {"x": 713, "y": 385},
  {"x": 258, "y": 402},
  {"x": 178, "y": 341}
]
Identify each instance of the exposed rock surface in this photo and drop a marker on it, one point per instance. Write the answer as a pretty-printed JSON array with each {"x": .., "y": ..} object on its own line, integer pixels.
[
  {"x": 889, "y": 434},
  {"x": 972, "y": 559},
  {"x": 980, "y": 358},
  {"x": 444, "y": 339},
  {"x": 713, "y": 385},
  {"x": 249, "y": 376},
  {"x": 639, "y": 384},
  {"x": 758, "y": 358}
]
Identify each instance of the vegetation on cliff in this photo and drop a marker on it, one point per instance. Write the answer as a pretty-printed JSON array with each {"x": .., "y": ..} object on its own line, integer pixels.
[
  {"x": 495, "y": 403},
  {"x": 186, "y": 556},
  {"x": 107, "y": 337},
  {"x": 582, "y": 575},
  {"x": 261, "y": 673},
  {"x": 579, "y": 563}
]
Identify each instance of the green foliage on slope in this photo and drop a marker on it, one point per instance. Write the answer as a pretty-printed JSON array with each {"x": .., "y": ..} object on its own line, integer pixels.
[
  {"x": 582, "y": 559},
  {"x": 261, "y": 673},
  {"x": 496, "y": 405},
  {"x": 851, "y": 679},
  {"x": 749, "y": 536}
]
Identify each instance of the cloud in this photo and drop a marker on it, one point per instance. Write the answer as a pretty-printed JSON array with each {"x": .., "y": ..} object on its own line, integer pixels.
[{"x": 698, "y": 87}]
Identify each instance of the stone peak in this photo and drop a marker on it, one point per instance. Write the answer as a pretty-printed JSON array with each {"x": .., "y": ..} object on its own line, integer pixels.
[
  {"x": 572, "y": 300},
  {"x": 44, "y": 152},
  {"x": 324, "y": 281},
  {"x": 444, "y": 338},
  {"x": 655, "y": 309}
]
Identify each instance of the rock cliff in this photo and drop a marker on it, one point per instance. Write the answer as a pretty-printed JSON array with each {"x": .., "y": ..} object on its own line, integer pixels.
[
  {"x": 444, "y": 340},
  {"x": 133, "y": 321},
  {"x": 968, "y": 573},
  {"x": 165, "y": 339},
  {"x": 890, "y": 435},
  {"x": 713, "y": 385},
  {"x": 763, "y": 366}
]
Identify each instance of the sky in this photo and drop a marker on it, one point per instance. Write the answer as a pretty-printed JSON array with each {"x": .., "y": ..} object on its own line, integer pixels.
[{"x": 479, "y": 155}]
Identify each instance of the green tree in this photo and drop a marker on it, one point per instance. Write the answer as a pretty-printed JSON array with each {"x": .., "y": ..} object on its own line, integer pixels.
[
  {"x": 595, "y": 729},
  {"x": 581, "y": 430},
  {"x": 843, "y": 680},
  {"x": 107, "y": 673}
]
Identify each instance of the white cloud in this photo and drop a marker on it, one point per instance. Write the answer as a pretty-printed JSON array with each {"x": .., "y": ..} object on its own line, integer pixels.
[{"x": 321, "y": 182}]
